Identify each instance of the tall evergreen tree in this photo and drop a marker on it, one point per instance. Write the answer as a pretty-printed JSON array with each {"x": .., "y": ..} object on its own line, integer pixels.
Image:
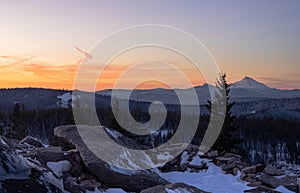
[
  {"x": 18, "y": 122},
  {"x": 228, "y": 139}
]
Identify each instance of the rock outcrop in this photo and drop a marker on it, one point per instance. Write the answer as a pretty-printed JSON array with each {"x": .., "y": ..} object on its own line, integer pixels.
[
  {"x": 132, "y": 180},
  {"x": 50, "y": 154},
  {"x": 18, "y": 174},
  {"x": 177, "y": 187}
]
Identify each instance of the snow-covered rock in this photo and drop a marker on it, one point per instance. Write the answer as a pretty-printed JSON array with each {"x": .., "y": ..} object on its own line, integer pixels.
[
  {"x": 18, "y": 174},
  {"x": 12, "y": 165},
  {"x": 131, "y": 180},
  {"x": 58, "y": 168},
  {"x": 280, "y": 181}
]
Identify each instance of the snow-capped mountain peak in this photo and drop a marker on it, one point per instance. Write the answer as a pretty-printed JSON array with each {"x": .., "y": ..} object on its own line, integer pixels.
[{"x": 249, "y": 83}]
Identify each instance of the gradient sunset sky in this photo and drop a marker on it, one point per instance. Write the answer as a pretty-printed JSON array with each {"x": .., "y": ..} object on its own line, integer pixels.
[{"x": 260, "y": 39}]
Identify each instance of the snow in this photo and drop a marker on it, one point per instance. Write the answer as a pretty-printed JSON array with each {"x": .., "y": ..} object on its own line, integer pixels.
[
  {"x": 184, "y": 158},
  {"x": 163, "y": 133},
  {"x": 110, "y": 190},
  {"x": 12, "y": 165},
  {"x": 59, "y": 167},
  {"x": 196, "y": 161},
  {"x": 177, "y": 190},
  {"x": 114, "y": 134},
  {"x": 164, "y": 156},
  {"x": 126, "y": 160},
  {"x": 115, "y": 190},
  {"x": 66, "y": 99},
  {"x": 49, "y": 178},
  {"x": 283, "y": 190},
  {"x": 248, "y": 82},
  {"x": 212, "y": 180},
  {"x": 3, "y": 142}
]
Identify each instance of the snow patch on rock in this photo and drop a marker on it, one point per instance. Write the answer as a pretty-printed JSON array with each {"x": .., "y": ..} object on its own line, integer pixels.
[{"x": 58, "y": 168}]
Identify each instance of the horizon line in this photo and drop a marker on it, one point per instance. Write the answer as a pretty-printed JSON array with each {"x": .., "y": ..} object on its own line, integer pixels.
[{"x": 152, "y": 88}]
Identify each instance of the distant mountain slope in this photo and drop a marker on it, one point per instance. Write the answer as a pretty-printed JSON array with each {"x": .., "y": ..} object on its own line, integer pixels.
[
  {"x": 247, "y": 89},
  {"x": 249, "y": 83},
  {"x": 32, "y": 98},
  {"x": 35, "y": 98}
]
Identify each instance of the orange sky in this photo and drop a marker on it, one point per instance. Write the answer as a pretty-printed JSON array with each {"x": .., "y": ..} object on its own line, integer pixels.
[
  {"x": 47, "y": 76},
  {"x": 135, "y": 64}
]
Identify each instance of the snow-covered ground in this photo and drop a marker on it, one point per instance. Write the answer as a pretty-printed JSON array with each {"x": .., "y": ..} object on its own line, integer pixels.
[
  {"x": 111, "y": 190},
  {"x": 283, "y": 190},
  {"x": 213, "y": 180}
]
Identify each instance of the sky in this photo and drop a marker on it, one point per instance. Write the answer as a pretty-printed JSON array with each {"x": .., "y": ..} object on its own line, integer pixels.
[{"x": 255, "y": 38}]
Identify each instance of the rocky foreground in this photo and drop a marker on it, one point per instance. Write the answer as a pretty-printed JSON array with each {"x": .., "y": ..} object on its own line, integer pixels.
[{"x": 69, "y": 166}]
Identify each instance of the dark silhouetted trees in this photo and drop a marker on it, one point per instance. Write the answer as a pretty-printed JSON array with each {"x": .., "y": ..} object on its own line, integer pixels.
[
  {"x": 227, "y": 140},
  {"x": 18, "y": 122}
]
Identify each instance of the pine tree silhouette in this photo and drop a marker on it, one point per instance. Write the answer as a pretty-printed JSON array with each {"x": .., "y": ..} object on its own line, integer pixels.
[
  {"x": 18, "y": 122},
  {"x": 227, "y": 139}
]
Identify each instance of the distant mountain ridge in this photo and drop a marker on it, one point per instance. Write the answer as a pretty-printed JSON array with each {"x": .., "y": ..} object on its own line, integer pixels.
[{"x": 245, "y": 90}]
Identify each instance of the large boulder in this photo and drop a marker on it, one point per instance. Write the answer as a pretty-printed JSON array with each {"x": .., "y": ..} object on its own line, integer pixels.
[
  {"x": 273, "y": 171},
  {"x": 212, "y": 154},
  {"x": 276, "y": 182},
  {"x": 131, "y": 180},
  {"x": 249, "y": 170},
  {"x": 50, "y": 154},
  {"x": 71, "y": 184},
  {"x": 177, "y": 187}
]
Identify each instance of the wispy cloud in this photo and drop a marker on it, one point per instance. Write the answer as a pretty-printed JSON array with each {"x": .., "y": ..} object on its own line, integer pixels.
[
  {"x": 86, "y": 54},
  {"x": 14, "y": 60},
  {"x": 61, "y": 72}
]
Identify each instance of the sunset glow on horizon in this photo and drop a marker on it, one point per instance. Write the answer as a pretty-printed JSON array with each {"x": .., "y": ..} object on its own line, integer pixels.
[{"x": 42, "y": 43}]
